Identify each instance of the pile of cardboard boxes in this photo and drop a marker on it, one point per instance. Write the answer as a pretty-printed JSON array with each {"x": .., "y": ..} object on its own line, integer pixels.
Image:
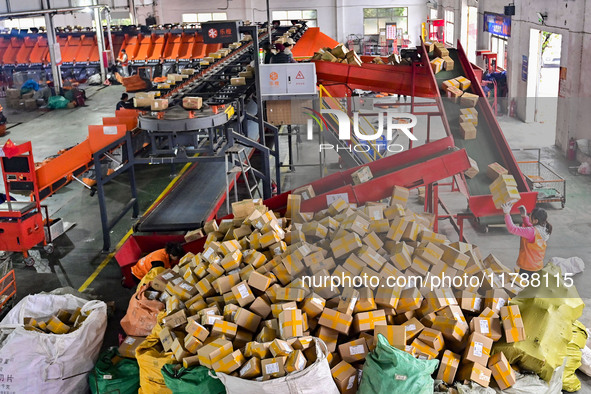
[
  {"x": 340, "y": 54},
  {"x": 23, "y": 102},
  {"x": 63, "y": 322},
  {"x": 442, "y": 60},
  {"x": 251, "y": 303}
]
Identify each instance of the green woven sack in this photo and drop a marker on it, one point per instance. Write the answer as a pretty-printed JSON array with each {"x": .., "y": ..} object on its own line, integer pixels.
[
  {"x": 389, "y": 370},
  {"x": 191, "y": 380},
  {"x": 121, "y": 378}
]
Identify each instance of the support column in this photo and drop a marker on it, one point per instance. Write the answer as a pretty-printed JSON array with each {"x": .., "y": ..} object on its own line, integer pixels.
[
  {"x": 54, "y": 53},
  {"x": 131, "y": 5},
  {"x": 100, "y": 38},
  {"x": 109, "y": 36}
]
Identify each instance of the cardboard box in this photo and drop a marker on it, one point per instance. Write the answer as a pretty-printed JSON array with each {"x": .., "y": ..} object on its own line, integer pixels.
[
  {"x": 176, "y": 319},
  {"x": 251, "y": 369},
  {"x": 353, "y": 58},
  {"x": 479, "y": 348},
  {"x": 399, "y": 196},
  {"x": 470, "y": 302},
  {"x": 401, "y": 256},
  {"x": 335, "y": 320},
  {"x": 450, "y": 83},
  {"x": 475, "y": 372},
  {"x": 214, "y": 351},
  {"x": 128, "y": 346},
  {"x": 361, "y": 175},
  {"x": 229, "y": 363},
  {"x": 504, "y": 189},
  {"x": 353, "y": 351},
  {"x": 487, "y": 326},
  {"x": 501, "y": 371},
  {"x": 454, "y": 94},
  {"x": 468, "y": 100},
  {"x": 448, "y": 63},
  {"x": 329, "y": 336},
  {"x": 468, "y": 131},
  {"x": 291, "y": 324},
  {"x": 259, "y": 281},
  {"x": 429, "y": 46},
  {"x": 243, "y": 294},
  {"x": 452, "y": 329},
  {"x": 13, "y": 93},
  {"x": 306, "y": 192},
  {"x": 396, "y": 335},
  {"x": 159, "y": 282},
  {"x": 437, "y": 65},
  {"x": 410, "y": 299},
  {"x": 273, "y": 367},
  {"x": 495, "y": 170},
  {"x": 192, "y": 102},
  {"x": 448, "y": 367},
  {"x": 238, "y": 81},
  {"x": 242, "y": 209},
  {"x": 280, "y": 348},
  {"x": 340, "y": 51},
  {"x": 512, "y": 324},
  {"x": 366, "y": 321},
  {"x": 441, "y": 51},
  {"x": 424, "y": 351},
  {"x": 196, "y": 330},
  {"x": 413, "y": 328},
  {"x": 473, "y": 170},
  {"x": 345, "y": 377},
  {"x": 464, "y": 83},
  {"x": 225, "y": 328},
  {"x": 469, "y": 118},
  {"x": 159, "y": 104},
  {"x": 296, "y": 361},
  {"x": 432, "y": 338}
]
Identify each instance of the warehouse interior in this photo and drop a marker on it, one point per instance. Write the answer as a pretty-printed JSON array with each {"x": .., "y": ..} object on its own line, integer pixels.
[{"x": 388, "y": 139}]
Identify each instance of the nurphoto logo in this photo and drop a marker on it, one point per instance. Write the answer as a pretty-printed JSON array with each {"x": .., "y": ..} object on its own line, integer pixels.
[{"x": 394, "y": 122}]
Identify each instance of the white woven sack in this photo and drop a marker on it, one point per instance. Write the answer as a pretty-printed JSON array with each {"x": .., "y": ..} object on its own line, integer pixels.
[
  {"x": 49, "y": 363},
  {"x": 315, "y": 379}
]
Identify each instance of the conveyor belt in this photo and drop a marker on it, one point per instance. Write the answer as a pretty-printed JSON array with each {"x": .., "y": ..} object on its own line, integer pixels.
[
  {"x": 197, "y": 193},
  {"x": 483, "y": 149}
]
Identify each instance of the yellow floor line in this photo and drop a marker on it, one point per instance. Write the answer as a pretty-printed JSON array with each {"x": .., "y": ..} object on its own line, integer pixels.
[{"x": 110, "y": 256}]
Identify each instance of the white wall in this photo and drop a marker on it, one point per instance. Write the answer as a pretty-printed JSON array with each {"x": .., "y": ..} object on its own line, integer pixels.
[
  {"x": 348, "y": 13},
  {"x": 571, "y": 19}
]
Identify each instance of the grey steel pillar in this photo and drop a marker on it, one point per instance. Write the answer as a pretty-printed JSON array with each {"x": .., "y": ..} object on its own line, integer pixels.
[
  {"x": 100, "y": 39},
  {"x": 54, "y": 53}
]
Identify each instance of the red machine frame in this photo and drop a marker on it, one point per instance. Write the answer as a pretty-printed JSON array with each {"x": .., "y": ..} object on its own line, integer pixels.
[{"x": 21, "y": 229}]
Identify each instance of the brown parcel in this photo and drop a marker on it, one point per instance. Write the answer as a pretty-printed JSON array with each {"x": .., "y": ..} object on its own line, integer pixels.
[
  {"x": 468, "y": 131},
  {"x": 494, "y": 170},
  {"x": 345, "y": 376},
  {"x": 473, "y": 170},
  {"x": 192, "y": 102},
  {"x": 128, "y": 346}
]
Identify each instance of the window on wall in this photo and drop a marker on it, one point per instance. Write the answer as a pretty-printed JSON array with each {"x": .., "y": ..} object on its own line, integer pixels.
[
  {"x": 375, "y": 19},
  {"x": 204, "y": 17},
  {"x": 285, "y": 17},
  {"x": 24, "y": 23},
  {"x": 449, "y": 27},
  {"x": 432, "y": 13},
  {"x": 498, "y": 45}
]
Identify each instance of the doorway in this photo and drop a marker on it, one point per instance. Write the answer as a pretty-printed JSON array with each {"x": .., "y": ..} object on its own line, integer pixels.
[{"x": 545, "y": 52}]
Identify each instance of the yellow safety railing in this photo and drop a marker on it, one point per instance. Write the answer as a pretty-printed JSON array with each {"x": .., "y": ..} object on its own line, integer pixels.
[{"x": 370, "y": 156}]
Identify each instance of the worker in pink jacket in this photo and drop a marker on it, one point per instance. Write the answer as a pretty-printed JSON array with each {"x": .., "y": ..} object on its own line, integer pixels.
[{"x": 534, "y": 233}]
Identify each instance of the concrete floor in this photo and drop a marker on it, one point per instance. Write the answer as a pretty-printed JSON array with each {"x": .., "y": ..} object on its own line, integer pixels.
[{"x": 78, "y": 252}]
